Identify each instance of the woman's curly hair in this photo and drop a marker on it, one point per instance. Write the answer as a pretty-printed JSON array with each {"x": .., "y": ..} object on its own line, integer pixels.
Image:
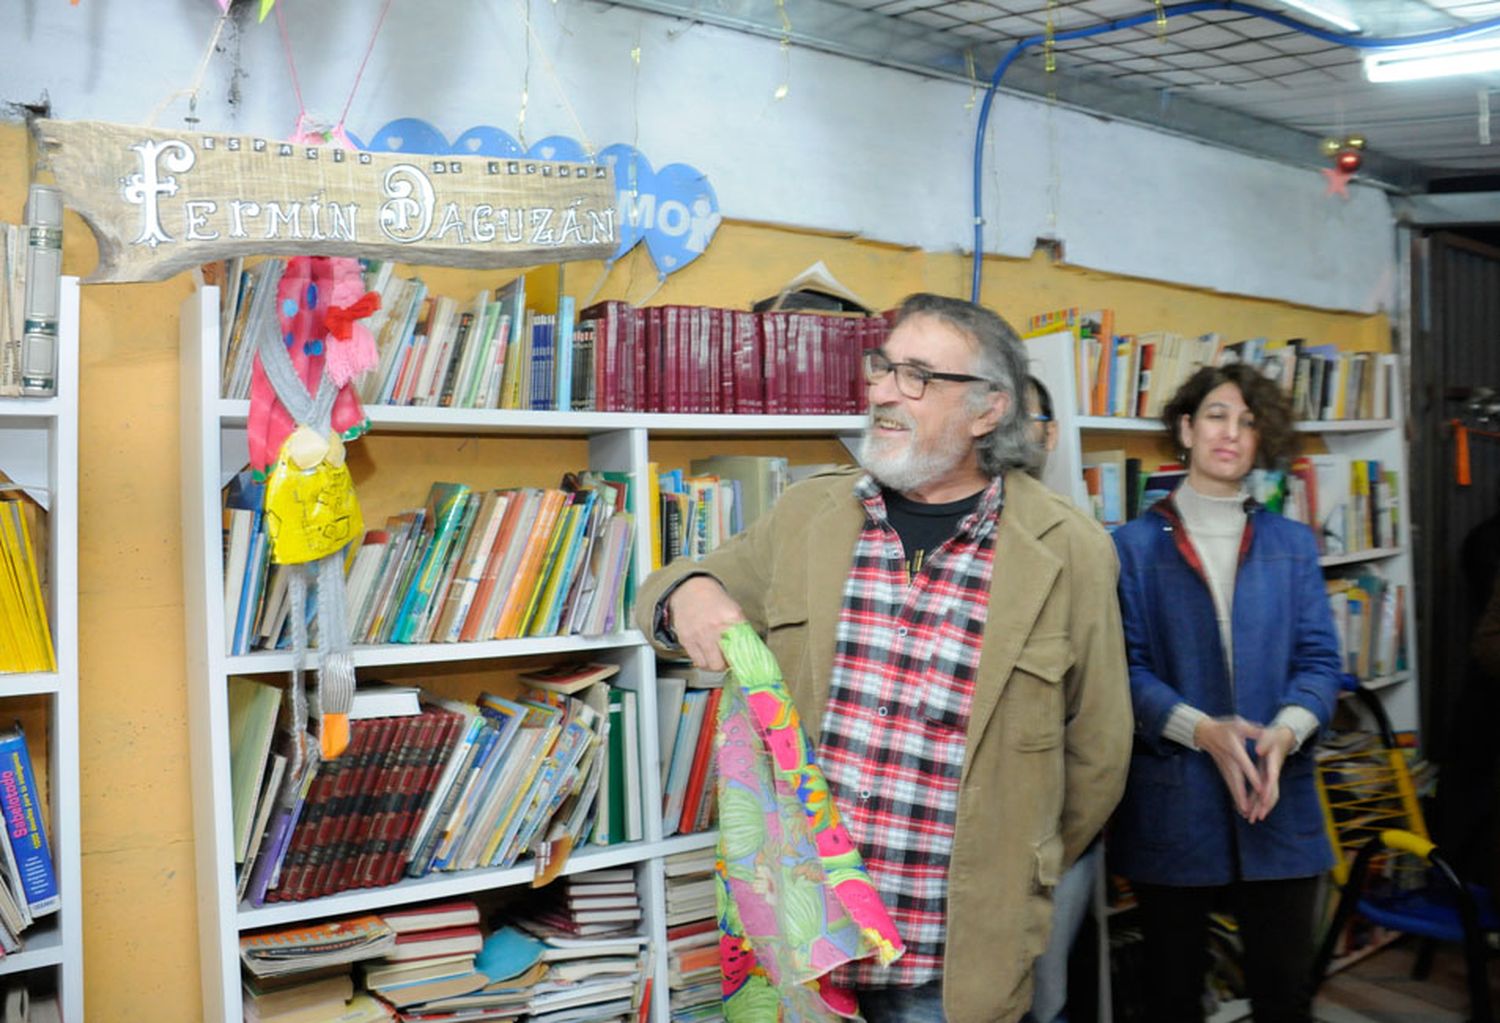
[{"x": 1276, "y": 435}]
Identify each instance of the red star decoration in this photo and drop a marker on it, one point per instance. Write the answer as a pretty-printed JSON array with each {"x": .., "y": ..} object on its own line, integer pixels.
[{"x": 1338, "y": 181}]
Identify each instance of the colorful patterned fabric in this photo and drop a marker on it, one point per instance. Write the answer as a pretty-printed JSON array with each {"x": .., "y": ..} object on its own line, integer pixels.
[
  {"x": 793, "y": 897},
  {"x": 896, "y": 723}
]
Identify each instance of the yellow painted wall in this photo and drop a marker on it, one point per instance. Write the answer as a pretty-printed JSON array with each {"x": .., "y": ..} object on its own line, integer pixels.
[{"x": 141, "y": 940}]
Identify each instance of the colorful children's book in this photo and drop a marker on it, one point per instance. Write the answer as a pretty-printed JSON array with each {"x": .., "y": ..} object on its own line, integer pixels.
[{"x": 21, "y": 802}]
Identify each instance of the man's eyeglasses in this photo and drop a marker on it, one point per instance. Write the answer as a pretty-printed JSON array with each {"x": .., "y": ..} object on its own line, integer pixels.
[{"x": 911, "y": 379}]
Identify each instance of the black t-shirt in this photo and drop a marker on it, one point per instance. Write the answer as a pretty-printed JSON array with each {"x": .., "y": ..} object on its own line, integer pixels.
[{"x": 923, "y": 528}]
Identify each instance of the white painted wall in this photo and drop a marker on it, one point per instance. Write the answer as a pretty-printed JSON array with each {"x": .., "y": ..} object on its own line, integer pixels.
[{"x": 883, "y": 153}]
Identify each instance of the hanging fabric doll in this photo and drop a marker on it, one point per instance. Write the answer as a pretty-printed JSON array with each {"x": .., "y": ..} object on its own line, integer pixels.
[{"x": 302, "y": 408}]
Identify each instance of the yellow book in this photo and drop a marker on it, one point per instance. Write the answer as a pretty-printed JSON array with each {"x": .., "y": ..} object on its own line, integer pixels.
[
  {"x": 34, "y": 583},
  {"x": 10, "y": 640},
  {"x": 545, "y": 590},
  {"x": 27, "y": 656},
  {"x": 1360, "y": 486},
  {"x": 653, "y": 509},
  {"x": 517, "y": 364}
]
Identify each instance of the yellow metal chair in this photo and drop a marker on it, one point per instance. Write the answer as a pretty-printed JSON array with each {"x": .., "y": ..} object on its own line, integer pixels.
[{"x": 1389, "y": 870}]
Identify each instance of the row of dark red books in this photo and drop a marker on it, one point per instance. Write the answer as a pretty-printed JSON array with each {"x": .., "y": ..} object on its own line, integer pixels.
[
  {"x": 358, "y": 811},
  {"x": 697, "y": 359}
]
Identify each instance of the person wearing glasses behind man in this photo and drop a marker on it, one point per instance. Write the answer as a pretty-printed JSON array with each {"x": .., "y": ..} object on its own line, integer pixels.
[
  {"x": 1070, "y": 898},
  {"x": 951, "y": 629}
]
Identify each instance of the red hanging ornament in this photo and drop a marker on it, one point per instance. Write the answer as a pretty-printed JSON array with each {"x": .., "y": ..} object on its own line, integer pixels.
[{"x": 1347, "y": 155}]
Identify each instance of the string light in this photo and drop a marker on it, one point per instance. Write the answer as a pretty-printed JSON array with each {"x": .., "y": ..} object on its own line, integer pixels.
[
  {"x": 786, "y": 52},
  {"x": 1049, "y": 55},
  {"x": 525, "y": 78}
]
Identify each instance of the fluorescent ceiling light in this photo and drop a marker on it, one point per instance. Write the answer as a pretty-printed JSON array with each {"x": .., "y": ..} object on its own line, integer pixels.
[
  {"x": 1407, "y": 63},
  {"x": 1324, "y": 12}
]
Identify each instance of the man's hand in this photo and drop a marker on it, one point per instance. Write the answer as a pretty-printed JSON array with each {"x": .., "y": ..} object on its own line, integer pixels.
[
  {"x": 1224, "y": 740},
  {"x": 1271, "y": 750},
  {"x": 699, "y": 611}
]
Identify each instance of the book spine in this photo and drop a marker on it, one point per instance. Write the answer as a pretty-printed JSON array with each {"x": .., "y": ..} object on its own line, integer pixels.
[
  {"x": 388, "y": 866},
  {"x": 23, "y": 822},
  {"x": 338, "y": 816},
  {"x": 385, "y": 806},
  {"x": 456, "y": 358},
  {"x": 702, "y": 754},
  {"x": 278, "y": 835},
  {"x": 420, "y": 858},
  {"x": 386, "y": 798},
  {"x": 315, "y": 806},
  {"x": 390, "y": 734}
]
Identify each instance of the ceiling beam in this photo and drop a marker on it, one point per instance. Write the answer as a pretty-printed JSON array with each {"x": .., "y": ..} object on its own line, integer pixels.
[
  {"x": 1450, "y": 209},
  {"x": 858, "y": 34}
]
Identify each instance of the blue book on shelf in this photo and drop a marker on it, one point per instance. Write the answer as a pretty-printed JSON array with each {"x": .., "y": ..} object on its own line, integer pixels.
[
  {"x": 20, "y": 801},
  {"x": 256, "y": 566},
  {"x": 563, "y": 355}
]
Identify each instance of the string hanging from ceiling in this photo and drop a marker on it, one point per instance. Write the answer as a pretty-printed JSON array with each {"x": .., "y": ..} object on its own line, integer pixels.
[{"x": 1049, "y": 39}]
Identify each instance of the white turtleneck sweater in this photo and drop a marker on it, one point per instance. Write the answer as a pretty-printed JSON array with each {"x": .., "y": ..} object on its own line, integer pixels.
[{"x": 1215, "y": 527}]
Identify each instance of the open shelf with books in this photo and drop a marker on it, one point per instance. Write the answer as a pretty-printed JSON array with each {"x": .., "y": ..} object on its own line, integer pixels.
[
  {"x": 1364, "y": 529},
  {"x": 393, "y": 466},
  {"x": 39, "y": 746}
]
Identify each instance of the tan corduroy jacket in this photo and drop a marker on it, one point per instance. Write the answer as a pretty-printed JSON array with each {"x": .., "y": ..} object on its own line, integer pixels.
[{"x": 1050, "y": 723}]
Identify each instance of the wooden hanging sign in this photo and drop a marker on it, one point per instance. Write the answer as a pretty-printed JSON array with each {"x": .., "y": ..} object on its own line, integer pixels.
[{"x": 161, "y": 202}]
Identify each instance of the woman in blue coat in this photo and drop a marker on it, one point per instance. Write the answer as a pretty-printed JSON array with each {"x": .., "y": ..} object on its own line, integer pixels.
[{"x": 1233, "y": 672}]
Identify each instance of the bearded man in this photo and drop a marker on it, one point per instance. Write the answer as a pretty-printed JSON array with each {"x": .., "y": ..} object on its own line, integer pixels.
[{"x": 951, "y": 626}]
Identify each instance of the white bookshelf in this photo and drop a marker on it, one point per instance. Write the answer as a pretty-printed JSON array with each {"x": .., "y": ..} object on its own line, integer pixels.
[
  {"x": 39, "y": 451},
  {"x": 1380, "y": 439},
  {"x": 1051, "y": 361},
  {"x": 213, "y": 449}
]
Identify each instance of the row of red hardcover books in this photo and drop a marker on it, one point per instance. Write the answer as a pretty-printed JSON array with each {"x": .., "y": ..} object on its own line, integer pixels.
[
  {"x": 362, "y": 807},
  {"x": 701, "y": 359}
]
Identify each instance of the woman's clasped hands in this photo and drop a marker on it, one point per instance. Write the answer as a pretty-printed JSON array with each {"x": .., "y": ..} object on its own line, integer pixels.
[{"x": 1254, "y": 784}]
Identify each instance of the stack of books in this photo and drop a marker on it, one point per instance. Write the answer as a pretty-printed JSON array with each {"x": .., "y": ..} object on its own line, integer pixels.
[
  {"x": 519, "y": 974},
  {"x": 304, "y": 949},
  {"x": 600, "y": 979},
  {"x": 30, "y": 279},
  {"x": 20, "y": 1004},
  {"x": 12, "y": 306},
  {"x": 596, "y": 903},
  {"x": 324, "y": 995},
  {"x": 693, "y": 972},
  {"x": 432, "y": 968}
]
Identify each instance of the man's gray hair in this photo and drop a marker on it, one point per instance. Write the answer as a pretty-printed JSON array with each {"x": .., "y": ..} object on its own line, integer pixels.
[{"x": 1001, "y": 361}]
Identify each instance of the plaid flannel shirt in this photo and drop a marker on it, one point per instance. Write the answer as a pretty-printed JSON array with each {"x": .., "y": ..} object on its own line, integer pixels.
[{"x": 894, "y": 731}]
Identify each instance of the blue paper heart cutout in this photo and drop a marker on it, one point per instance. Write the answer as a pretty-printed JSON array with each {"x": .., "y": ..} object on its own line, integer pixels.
[{"x": 674, "y": 210}]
